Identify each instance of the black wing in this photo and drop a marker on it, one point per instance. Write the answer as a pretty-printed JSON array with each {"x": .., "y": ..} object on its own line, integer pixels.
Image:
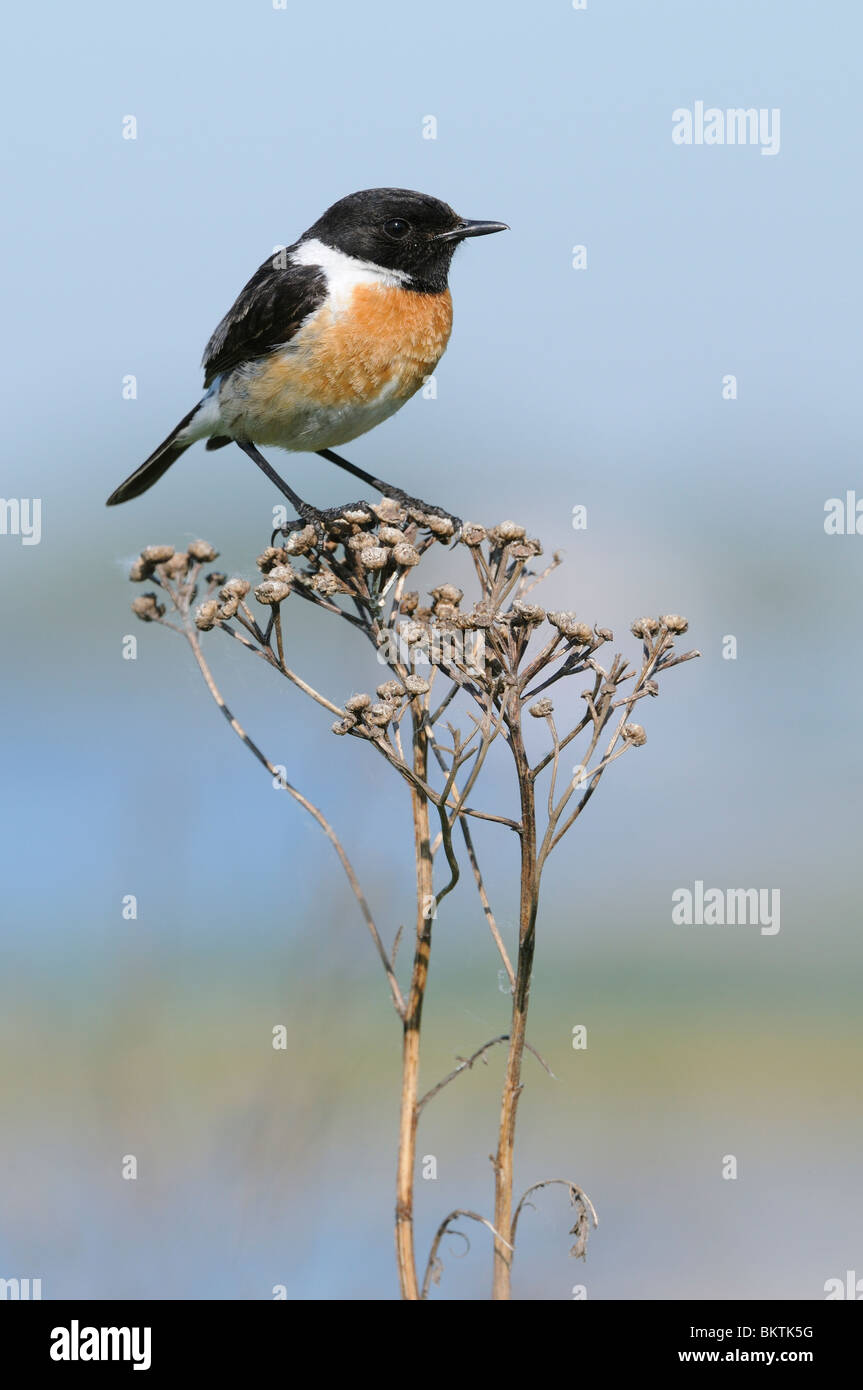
[{"x": 267, "y": 313}]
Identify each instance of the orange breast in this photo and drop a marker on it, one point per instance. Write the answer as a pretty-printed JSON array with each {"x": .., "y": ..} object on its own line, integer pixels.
[{"x": 387, "y": 338}]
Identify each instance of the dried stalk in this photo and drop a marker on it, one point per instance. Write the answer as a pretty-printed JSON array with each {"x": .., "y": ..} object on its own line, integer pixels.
[
  {"x": 496, "y": 661},
  {"x": 409, "y": 1114}
]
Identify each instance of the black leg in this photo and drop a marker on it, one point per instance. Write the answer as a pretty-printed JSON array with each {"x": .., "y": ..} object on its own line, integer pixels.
[
  {"x": 307, "y": 515},
  {"x": 306, "y": 512},
  {"x": 387, "y": 489}
]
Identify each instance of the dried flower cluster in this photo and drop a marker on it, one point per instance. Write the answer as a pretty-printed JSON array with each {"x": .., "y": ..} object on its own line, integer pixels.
[{"x": 486, "y": 659}]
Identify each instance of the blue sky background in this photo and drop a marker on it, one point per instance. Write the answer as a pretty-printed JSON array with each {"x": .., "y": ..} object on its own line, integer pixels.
[{"x": 599, "y": 387}]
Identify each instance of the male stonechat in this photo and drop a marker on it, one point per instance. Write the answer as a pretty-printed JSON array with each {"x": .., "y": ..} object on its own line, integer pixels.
[{"x": 330, "y": 337}]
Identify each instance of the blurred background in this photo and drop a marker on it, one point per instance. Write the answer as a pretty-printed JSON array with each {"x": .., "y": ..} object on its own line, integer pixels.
[{"x": 599, "y": 387}]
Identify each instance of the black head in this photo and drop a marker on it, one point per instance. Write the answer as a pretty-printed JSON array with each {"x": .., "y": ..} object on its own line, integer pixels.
[{"x": 399, "y": 230}]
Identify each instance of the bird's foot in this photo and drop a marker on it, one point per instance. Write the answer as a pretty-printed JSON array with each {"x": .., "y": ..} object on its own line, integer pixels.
[
  {"x": 332, "y": 523},
  {"x": 329, "y": 523},
  {"x": 443, "y": 524}
]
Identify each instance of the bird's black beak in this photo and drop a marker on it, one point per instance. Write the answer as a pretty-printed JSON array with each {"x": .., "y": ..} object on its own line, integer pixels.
[{"x": 468, "y": 228}]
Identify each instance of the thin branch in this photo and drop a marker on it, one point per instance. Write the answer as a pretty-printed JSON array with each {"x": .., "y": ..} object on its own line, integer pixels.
[
  {"x": 466, "y": 1063},
  {"x": 578, "y": 1198},
  {"x": 192, "y": 638},
  {"x": 535, "y": 579},
  {"x": 434, "y": 1266},
  {"x": 474, "y": 863},
  {"x": 486, "y": 905}
]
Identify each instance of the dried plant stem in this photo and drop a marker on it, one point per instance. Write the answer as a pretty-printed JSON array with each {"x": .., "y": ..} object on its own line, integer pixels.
[
  {"x": 191, "y": 636},
  {"x": 433, "y": 1266},
  {"x": 409, "y": 1112},
  {"x": 576, "y": 1195},
  {"x": 528, "y": 901},
  {"x": 466, "y": 1063},
  {"x": 486, "y": 905}
]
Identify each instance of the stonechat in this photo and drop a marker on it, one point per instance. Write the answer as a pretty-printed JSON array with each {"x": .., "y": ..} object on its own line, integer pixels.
[{"x": 330, "y": 337}]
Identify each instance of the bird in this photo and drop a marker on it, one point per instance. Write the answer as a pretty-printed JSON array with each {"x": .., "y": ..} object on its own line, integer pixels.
[{"x": 329, "y": 338}]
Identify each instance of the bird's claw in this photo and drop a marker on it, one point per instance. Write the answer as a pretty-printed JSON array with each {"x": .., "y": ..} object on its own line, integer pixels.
[
  {"x": 422, "y": 511},
  {"x": 334, "y": 519}
]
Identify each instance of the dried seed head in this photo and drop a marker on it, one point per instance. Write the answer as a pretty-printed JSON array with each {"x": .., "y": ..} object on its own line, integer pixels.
[
  {"x": 651, "y": 687},
  {"x": 206, "y": 614},
  {"x": 216, "y": 577},
  {"x": 521, "y": 550},
  {"x": 283, "y": 572},
  {"x": 141, "y": 569},
  {"x": 472, "y": 533},
  {"x": 326, "y": 583},
  {"x": 413, "y": 633},
  {"x": 357, "y": 516},
  {"x": 203, "y": 552},
  {"x": 178, "y": 564},
  {"x": 344, "y": 726},
  {"x": 674, "y": 622},
  {"x": 157, "y": 554},
  {"x": 542, "y": 708},
  {"x": 439, "y": 525},
  {"x": 568, "y": 626},
  {"x": 380, "y": 714},
  {"x": 634, "y": 734},
  {"x": 560, "y": 620},
  {"x": 300, "y": 542},
  {"x": 229, "y": 608},
  {"x": 272, "y": 591},
  {"x": 358, "y": 702},
  {"x": 644, "y": 627},
  {"x": 415, "y": 685},
  {"x": 235, "y": 588},
  {"x": 507, "y": 531},
  {"x": 390, "y": 535},
  {"x": 478, "y": 619},
  {"x": 147, "y": 608},
  {"x": 270, "y": 557},
  {"x": 445, "y": 613},
  {"x": 409, "y": 602},
  {"x": 374, "y": 557},
  {"x": 406, "y": 555},
  {"x": 391, "y": 690},
  {"x": 527, "y": 612},
  {"x": 389, "y": 510},
  {"x": 604, "y": 633},
  {"x": 447, "y": 593}
]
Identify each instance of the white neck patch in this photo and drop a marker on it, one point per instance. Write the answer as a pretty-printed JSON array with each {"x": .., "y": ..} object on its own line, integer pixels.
[{"x": 345, "y": 272}]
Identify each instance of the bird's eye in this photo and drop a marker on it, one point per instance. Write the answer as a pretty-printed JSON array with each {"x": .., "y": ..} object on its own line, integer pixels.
[{"x": 397, "y": 228}]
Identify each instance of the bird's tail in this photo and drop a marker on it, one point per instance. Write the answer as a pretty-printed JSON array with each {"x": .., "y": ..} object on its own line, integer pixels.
[{"x": 159, "y": 461}]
